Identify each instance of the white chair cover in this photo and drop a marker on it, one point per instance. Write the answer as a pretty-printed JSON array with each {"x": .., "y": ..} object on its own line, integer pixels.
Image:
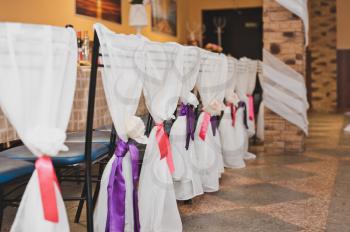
[
  {"x": 162, "y": 64},
  {"x": 247, "y": 71},
  {"x": 300, "y": 8},
  {"x": 260, "y": 128},
  {"x": 231, "y": 133},
  {"x": 260, "y": 121},
  {"x": 211, "y": 85},
  {"x": 284, "y": 91},
  {"x": 122, "y": 83},
  {"x": 249, "y": 77},
  {"x": 187, "y": 182},
  {"x": 38, "y": 76}
]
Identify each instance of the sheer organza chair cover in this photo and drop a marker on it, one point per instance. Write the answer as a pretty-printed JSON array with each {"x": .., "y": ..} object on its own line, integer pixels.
[
  {"x": 260, "y": 121},
  {"x": 284, "y": 91},
  {"x": 260, "y": 124},
  {"x": 211, "y": 85},
  {"x": 250, "y": 77},
  {"x": 163, "y": 69},
  {"x": 38, "y": 76},
  {"x": 122, "y": 82},
  {"x": 187, "y": 183},
  {"x": 231, "y": 133},
  {"x": 247, "y": 74}
]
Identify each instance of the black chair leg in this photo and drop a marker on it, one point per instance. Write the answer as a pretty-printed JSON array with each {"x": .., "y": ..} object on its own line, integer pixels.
[
  {"x": 77, "y": 175},
  {"x": 58, "y": 175},
  {"x": 81, "y": 205}
]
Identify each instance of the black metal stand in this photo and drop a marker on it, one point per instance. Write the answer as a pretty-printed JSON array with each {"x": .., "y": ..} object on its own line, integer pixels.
[
  {"x": 89, "y": 128},
  {"x": 149, "y": 125}
]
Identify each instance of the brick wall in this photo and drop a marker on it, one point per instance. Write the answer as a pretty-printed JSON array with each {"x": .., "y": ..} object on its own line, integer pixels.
[
  {"x": 323, "y": 39},
  {"x": 102, "y": 117},
  {"x": 7, "y": 132},
  {"x": 284, "y": 38}
]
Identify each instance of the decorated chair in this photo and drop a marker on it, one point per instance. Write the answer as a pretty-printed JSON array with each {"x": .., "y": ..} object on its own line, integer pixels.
[{"x": 38, "y": 77}]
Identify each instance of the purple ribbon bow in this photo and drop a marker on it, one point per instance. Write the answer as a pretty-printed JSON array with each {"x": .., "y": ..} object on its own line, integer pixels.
[
  {"x": 214, "y": 120},
  {"x": 186, "y": 110},
  {"x": 242, "y": 104},
  {"x": 116, "y": 189}
]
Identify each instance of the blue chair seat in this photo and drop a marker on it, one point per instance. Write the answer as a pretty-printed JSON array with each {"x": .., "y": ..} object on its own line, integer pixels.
[
  {"x": 75, "y": 155},
  {"x": 97, "y": 137},
  {"x": 13, "y": 169}
]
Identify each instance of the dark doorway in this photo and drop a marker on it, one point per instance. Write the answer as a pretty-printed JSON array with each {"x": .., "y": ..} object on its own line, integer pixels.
[
  {"x": 343, "y": 79},
  {"x": 243, "y": 33},
  {"x": 242, "y": 37}
]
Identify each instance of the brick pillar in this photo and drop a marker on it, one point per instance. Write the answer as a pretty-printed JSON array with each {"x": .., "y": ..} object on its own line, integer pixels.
[
  {"x": 323, "y": 47},
  {"x": 284, "y": 38}
]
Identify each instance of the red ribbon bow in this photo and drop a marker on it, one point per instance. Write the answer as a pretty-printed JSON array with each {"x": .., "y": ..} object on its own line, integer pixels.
[
  {"x": 47, "y": 180},
  {"x": 233, "y": 113},
  {"x": 251, "y": 107},
  {"x": 204, "y": 126},
  {"x": 164, "y": 146}
]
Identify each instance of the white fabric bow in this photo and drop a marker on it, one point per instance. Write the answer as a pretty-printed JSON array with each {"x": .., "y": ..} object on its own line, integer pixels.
[
  {"x": 46, "y": 141},
  {"x": 215, "y": 107},
  {"x": 233, "y": 98},
  {"x": 190, "y": 98},
  {"x": 135, "y": 129}
]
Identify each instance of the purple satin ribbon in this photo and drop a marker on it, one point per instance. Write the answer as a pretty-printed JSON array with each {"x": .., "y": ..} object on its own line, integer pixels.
[
  {"x": 242, "y": 104},
  {"x": 116, "y": 189},
  {"x": 186, "y": 110},
  {"x": 214, "y": 120}
]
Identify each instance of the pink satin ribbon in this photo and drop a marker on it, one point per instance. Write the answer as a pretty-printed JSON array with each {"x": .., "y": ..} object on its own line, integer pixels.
[
  {"x": 204, "y": 126},
  {"x": 47, "y": 180},
  {"x": 164, "y": 146},
  {"x": 251, "y": 107}
]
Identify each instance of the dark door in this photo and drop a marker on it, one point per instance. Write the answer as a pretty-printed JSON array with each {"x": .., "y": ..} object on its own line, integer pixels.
[
  {"x": 343, "y": 59},
  {"x": 242, "y": 37},
  {"x": 242, "y": 34}
]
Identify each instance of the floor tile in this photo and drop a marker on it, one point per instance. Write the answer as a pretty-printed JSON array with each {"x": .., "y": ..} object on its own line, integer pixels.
[
  {"x": 237, "y": 220},
  {"x": 260, "y": 194},
  {"x": 282, "y": 159},
  {"x": 274, "y": 173}
]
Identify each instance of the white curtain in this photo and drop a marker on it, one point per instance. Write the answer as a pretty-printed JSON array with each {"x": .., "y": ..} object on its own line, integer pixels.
[
  {"x": 162, "y": 65},
  {"x": 38, "y": 76},
  {"x": 299, "y": 8},
  {"x": 122, "y": 83},
  {"x": 284, "y": 91},
  {"x": 211, "y": 85},
  {"x": 187, "y": 183},
  {"x": 231, "y": 131}
]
